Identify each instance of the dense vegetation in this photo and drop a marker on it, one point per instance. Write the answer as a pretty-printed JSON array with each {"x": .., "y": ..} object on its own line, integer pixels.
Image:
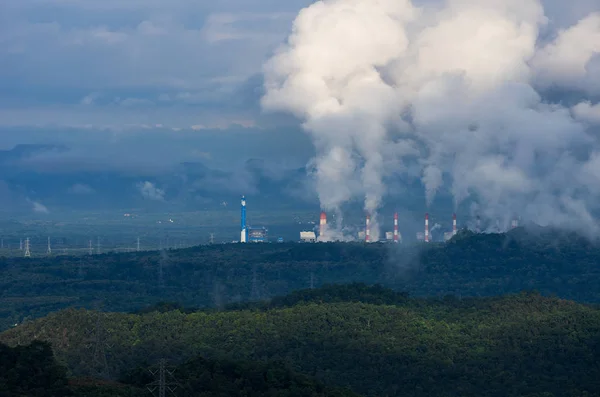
[
  {"x": 519, "y": 345},
  {"x": 218, "y": 275},
  {"x": 31, "y": 371},
  {"x": 224, "y": 378}
]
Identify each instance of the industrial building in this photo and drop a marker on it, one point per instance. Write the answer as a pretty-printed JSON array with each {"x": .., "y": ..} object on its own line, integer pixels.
[
  {"x": 251, "y": 234},
  {"x": 257, "y": 234},
  {"x": 308, "y": 237}
]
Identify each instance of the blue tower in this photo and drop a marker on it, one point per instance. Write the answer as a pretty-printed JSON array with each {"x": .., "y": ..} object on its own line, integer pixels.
[{"x": 244, "y": 233}]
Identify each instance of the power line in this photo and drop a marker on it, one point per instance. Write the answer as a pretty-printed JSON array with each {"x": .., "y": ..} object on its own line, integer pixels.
[
  {"x": 98, "y": 344},
  {"x": 162, "y": 385},
  {"x": 27, "y": 252},
  {"x": 255, "y": 293},
  {"x": 161, "y": 262}
]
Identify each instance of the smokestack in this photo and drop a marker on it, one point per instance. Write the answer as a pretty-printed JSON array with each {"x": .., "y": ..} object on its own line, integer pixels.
[
  {"x": 426, "y": 227},
  {"x": 322, "y": 224},
  {"x": 244, "y": 231},
  {"x": 454, "y": 225},
  {"x": 395, "y": 227},
  {"x": 368, "y": 229}
]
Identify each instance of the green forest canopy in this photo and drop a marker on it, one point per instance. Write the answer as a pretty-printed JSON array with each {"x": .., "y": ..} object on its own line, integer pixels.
[
  {"x": 377, "y": 341},
  {"x": 215, "y": 276}
]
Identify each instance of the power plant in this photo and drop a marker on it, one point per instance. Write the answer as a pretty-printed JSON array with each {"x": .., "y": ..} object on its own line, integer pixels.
[
  {"x": 251, "y": 234},
  {"x": 322, "y": 234}
]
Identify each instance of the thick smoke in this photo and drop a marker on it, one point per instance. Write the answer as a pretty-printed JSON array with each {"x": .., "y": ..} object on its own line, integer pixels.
[{"x": 465, "y": 85}]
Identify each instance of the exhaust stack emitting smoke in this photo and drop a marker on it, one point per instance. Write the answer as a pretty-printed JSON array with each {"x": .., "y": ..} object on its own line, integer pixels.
[{"x": 459, "y": 88}]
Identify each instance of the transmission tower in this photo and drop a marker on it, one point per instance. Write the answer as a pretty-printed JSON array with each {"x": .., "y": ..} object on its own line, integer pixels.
[
  {"x": 90, "y": 249},
  {"x": 49, "y": 251},
  {"x": 255, "y": 294},
  {"x": 162, "y": 386},
  {"x": 27, "y": 252},
  {"x": 98, "y": 345},
  {"x": 80, "y": 270},
  {"x": 161, "y": 264}
]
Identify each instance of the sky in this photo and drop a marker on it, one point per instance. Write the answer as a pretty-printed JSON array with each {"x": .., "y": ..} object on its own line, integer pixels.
[
  {"x": 142, "y": 83},
  {"x": 119, "y": 64},
  {"x": 185, "y": 75},
  {"x": 145, "y": 64}
]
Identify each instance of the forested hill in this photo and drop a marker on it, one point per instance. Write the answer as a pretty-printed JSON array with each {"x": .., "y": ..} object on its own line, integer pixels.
[
  {"x": 218, "y": 275},
  {"x": 520, "y": 345}
]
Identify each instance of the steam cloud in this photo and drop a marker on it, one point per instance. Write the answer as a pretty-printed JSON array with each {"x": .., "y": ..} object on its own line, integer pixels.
[
  {"x": 150, "y": 191},
  {"x": 460, "y": 87}
]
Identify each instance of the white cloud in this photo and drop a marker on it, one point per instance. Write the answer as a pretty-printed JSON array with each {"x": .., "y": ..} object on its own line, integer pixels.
[
  {"x": 39, "y": 208},
  {"x": 137, "y": 50},
  {"x": 150, "y": 191},
  {"x": 587, "y": 112},
  {"x": 79, "y": 188}
]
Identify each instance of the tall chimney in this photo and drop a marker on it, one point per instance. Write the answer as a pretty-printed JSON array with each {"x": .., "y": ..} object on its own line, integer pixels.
[
  {"x": 322, "y": 224},
  {"x": 454, "y": 225},
  {"x": 368, "y": 229},
  {"x": 395, "y": 227},
  {"x": 244, "y": 229},
  {"x": 426, "y": 227}
]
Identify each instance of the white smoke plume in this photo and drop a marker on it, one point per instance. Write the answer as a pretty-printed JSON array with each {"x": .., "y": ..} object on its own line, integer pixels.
[{"x": 462, "y": 84}]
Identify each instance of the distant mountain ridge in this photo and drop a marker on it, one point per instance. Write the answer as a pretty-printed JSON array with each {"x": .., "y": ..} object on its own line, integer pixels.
[{"x": 187, "y": 185}]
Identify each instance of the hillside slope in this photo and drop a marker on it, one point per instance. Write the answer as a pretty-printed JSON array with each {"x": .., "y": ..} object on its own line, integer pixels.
[
  {"x": 522, "y": 345},
  {"x": 214, "y": 276}
]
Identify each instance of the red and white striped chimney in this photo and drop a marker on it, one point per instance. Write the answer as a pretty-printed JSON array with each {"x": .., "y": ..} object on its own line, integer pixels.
[
  {"x": 426, "y": 227},
  {"x": 395, "y": 227},
  {"x": 368, "y": 229},
  {"x": 322, "y": 224},
  {"x": 454, "y": 225}
]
